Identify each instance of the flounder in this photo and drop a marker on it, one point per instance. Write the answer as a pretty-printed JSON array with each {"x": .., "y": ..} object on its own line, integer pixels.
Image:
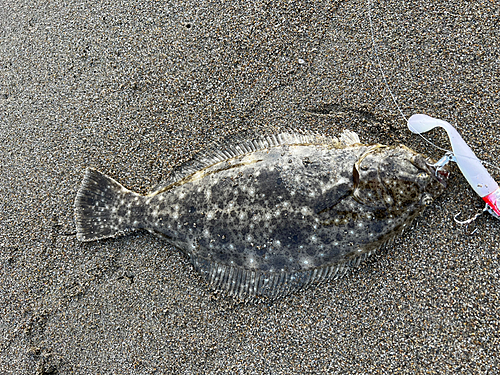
[{"x": 270, "y": 216}]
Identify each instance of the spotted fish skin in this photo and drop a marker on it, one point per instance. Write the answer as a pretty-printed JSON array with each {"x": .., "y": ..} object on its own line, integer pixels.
[{"x": 269, "y": 217}]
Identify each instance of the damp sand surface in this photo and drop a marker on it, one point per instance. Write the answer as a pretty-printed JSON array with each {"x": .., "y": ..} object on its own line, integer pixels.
[{"x": 134, "y": 89}]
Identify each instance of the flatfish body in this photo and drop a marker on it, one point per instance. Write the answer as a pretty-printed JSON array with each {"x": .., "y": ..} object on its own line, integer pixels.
[{"x": 270, "y": 216}]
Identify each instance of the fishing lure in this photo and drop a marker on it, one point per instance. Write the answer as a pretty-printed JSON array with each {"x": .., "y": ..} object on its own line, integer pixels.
[{"x": 471, "y": 167}]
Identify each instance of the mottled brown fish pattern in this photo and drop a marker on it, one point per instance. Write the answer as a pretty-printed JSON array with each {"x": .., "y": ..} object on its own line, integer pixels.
[{"x": 270, "y": 216}]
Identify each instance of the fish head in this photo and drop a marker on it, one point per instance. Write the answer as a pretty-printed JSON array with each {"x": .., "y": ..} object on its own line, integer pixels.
[
  {"x": 398, "y": 177},
  {"x": 419, "y": 169},
  {"x": 436, "y": 176}
]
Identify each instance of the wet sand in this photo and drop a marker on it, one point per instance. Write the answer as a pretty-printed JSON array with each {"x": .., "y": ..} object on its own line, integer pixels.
[{"x": 135, "y": 89}]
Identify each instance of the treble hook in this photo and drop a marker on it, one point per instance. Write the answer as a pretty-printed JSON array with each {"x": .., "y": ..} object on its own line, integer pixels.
[{"x": 470, "y": 220}]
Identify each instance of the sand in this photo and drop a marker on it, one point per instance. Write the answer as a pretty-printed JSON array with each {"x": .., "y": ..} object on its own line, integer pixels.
[{"x": 135, "y": 89}]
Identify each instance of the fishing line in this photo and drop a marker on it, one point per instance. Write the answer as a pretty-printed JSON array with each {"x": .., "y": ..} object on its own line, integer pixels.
[{"x": 379, "y": 65}]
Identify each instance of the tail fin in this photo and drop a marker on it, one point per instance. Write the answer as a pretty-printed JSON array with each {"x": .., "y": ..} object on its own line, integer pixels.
[{"x": 101, "y": 207}]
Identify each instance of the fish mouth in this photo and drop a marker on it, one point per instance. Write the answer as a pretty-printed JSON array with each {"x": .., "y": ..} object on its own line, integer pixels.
[{"x": 437, "y": 171}]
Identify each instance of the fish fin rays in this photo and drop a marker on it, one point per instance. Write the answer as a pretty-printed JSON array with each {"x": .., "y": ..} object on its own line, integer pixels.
[
  {"x": 216, "y": 155},
  {"x": 349, "y": 138},
  {"x": 246, "y": 284},
  {"x": 96, "y": 202}
]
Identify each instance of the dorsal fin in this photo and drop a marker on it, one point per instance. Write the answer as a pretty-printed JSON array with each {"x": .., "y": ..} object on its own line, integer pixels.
[
  {"x": 349, "y": 138},
  {"x": 212, "y": 156}
]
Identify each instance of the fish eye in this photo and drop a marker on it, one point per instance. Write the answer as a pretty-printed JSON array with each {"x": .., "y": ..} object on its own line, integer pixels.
[{"x": 427, "y": 199}]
